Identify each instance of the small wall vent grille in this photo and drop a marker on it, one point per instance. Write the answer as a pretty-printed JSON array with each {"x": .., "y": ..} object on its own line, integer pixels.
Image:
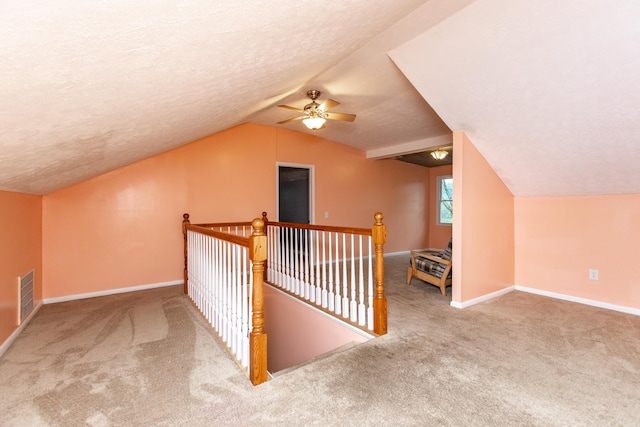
[{"x": 26, "y": 295}]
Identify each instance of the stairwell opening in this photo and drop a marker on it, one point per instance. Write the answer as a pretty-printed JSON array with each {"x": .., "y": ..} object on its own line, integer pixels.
[{"x": 299, "y": 333}]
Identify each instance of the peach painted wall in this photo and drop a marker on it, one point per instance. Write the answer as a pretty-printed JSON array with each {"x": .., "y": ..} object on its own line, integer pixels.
[
  {"x": 20, "y": 251},
  {"x": 558, "y": 239},
  {"x": 439, "y": 235},
  {"x": 483, "y": 229},
  {"x": 122, "y": 229},
  {"x": 352, "y": 188},
  {"x": 117, "y": 230},
  {"x": 297, "y": 334}
]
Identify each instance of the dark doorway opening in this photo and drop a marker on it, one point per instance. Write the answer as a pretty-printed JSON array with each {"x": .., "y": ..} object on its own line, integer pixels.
[{"x": 294, "y": 194}]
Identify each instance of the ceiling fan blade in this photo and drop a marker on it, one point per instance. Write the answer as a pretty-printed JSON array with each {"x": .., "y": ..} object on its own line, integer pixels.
[
  {"x": 291, "y": 120},
  {"x": 291, "y": 108},
  {"x": 328, "y": 104},
  {"x": 341, "y": 116}
]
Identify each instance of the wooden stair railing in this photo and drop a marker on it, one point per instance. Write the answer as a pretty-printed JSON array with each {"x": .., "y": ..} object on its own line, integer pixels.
[
  {"x": 333, "y": 298},
  {"x": 256, "y": 247},
  {"x": 297, "y": 267}
]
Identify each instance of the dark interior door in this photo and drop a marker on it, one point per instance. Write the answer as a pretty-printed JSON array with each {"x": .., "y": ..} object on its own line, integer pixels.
[{"x": 293, "y": 194}]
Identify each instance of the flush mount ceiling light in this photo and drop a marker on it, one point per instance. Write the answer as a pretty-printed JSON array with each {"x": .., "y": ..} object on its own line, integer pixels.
[
  {"x": 439, "y": 154},
  {"x": 314, "y": 115}
]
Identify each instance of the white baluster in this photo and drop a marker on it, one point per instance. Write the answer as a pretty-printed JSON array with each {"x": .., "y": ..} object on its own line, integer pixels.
[
  {"x": 196, "y": 256},
  {"x": 216, "y": 281},
  {"x": 250, "y": 294},
  {"x": 239, "y": 302},
  {"x": 199, "y": 274},
  {"x": 312, "y": 266},
  {"x": 338, "y": 305},
  {"x": 232, "y": 299},
  {"x": 324, "y": 272},
  {"x": 189, "y": 262},
  {"x": 190, "y": 255},
  {"x": 292, "y": 261},
  {"x": 370, "y": 288},
  {"x": 296, "y": 257},
  {"x": 345, "y": 292},
  {"x": 277, "y": 253},
  {"x": 225, "y": 294},
  {"x": 230, "y": 288},
  {"x": 287, "y": 257},
  {"x": 306, "y": 264},
  {"x": 285, "y": 248},
  {"x": 361, "y": 309},
  {"x": 221, "y": 287},
  {"x": 354, "y": 304},
  {"x": 208, "y": 279},
  {"x": 267, "y": 266},
  {"x": 331, "y": 295},
  {"x": 318, "y": 268},
  {"x": 281, "y": 250},
  {"x": 245, "y": 312}
]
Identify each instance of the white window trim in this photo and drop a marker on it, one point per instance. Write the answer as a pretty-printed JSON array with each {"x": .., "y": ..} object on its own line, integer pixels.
[{"x": 439, "y": 199}]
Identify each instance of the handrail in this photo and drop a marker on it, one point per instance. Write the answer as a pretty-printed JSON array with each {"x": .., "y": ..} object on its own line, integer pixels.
[
  {"x": 331, "y": 228},
  {"x": 226, "y": 224},
  {"x": 233, "y": 238}
]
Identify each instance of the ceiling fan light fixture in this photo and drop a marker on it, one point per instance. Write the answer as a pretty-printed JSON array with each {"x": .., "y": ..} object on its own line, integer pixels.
[
  {"x": 439, "y": 154},
  {"x": 314, "y": 123},
  {"x": 314, "y": 115}
]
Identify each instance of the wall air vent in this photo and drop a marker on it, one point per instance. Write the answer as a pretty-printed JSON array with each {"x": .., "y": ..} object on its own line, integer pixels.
[{"x": 26, "y": 295}]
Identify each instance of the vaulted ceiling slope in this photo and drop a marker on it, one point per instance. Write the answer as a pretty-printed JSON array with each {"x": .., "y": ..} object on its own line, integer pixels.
[
  {"x": 90, "y": 86},
  {"x": 548, "y": 91}
]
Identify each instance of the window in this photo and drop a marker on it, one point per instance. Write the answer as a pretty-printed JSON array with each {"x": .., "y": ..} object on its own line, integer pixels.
[{"x": 445, "y": 200}]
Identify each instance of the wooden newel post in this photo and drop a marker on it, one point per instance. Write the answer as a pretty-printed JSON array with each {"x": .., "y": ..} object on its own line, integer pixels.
[
  {"x": 258, "y": 338},
  {"x": 185, "y": 222},
  {"x": 379, "y": 233}
]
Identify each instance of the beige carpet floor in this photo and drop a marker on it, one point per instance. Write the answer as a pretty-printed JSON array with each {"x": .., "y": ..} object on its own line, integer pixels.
[{"x": 149, "y": 359}]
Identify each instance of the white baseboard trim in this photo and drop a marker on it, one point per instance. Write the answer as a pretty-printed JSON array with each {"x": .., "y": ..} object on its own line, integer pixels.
[
  {"x": 482, "y": 298},
  {"x": 586, "y": 301},
  {"x": 5, "y": 345},
  {"x": 111, "y": 292},
  {"x": 398, "y": 253}
]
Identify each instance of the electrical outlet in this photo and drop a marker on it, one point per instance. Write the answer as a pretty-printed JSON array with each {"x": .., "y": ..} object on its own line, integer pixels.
[{"x": 593, "y": 274}]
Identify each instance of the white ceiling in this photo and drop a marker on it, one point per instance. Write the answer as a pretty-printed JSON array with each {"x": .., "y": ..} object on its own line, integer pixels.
[{"x": 547, "y": 90}]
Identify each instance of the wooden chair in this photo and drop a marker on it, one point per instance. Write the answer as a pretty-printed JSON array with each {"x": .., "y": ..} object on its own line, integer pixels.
[{"x": 432, "y": 266}]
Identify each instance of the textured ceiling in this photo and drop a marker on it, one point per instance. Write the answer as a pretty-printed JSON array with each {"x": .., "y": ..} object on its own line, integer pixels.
[
  {"x": 89, "y": 86},
  {"x": 547, "y": 90}
]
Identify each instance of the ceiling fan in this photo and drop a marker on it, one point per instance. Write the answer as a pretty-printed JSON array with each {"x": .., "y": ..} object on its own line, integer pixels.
[{"x": 315, "y": 115}]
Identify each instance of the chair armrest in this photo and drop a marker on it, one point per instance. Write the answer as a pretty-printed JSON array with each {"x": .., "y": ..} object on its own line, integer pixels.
[{"x": 429, "y": 250}]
